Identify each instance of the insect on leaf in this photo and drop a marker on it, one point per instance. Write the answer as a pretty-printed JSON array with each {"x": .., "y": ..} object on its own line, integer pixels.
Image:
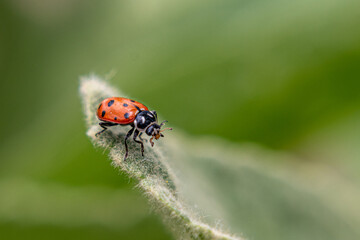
[{"x": 155, "y": 177}]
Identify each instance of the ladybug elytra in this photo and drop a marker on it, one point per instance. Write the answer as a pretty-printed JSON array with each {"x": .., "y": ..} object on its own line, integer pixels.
[{"x": 123, "y": 111}]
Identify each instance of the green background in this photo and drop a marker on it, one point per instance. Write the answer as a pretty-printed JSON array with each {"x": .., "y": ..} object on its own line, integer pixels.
[{"x": 281, "y": 74}]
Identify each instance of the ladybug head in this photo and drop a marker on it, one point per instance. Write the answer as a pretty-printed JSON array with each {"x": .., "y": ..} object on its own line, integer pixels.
[
  {"x": 154, "y": 130},
  {"x": 146, "y": 121}
]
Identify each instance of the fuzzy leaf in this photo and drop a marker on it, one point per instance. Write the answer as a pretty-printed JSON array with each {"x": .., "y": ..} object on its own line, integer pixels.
[
  {"x": 207, "y": 187},
  {"x": 155, "y": 177}
]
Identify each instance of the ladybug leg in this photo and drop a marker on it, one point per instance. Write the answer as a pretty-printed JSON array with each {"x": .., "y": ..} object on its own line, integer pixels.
[
  {"x": 104, "y": 125},
  {"x": 142, "y": 138},
  {"x": 141, "y": 143},
  {"x": 126, "y": 146}
]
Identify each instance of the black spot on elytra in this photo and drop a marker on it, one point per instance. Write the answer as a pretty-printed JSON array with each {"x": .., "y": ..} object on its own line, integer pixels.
[
  {"x": 115, "y": 118},
  {"x": 137, "y": 108},
  {"x": 126, "y": 115},
  {"x": 132, "y": 100},
  {"x": 111, "y": 102},
  {"x": 125, "y": 105},
  {"x": 103, "y": 114},
  {"x": 100, "y": 106}
]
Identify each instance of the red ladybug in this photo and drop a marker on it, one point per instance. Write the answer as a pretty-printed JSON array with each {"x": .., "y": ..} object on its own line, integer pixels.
[{"x": 123, "y": 111}]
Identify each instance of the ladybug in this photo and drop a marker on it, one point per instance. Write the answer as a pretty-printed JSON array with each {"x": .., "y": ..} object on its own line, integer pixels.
[{"x": 123, "y": 111}]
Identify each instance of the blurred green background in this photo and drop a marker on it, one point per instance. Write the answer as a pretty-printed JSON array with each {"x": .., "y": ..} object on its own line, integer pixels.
[{"x": 281, "y": 74}]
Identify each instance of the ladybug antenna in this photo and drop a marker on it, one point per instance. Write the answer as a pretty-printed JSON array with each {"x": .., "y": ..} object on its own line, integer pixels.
[
  {"x": 165, "y": 129},
  {"x": 163, "y": 122}
]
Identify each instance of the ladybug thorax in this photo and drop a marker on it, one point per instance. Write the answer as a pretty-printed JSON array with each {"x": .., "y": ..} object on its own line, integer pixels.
[{"x": 145, "y": 121}]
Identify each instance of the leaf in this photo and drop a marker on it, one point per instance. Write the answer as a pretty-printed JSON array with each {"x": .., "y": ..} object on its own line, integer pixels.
[
  {"x": 156, "y": 178},
  {"x": 207, "y": 187}
]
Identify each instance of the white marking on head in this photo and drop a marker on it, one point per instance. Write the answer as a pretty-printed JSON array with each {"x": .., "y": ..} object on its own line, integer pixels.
[
  {"x": 142, "y": 119},
  {"x": 150, "y": 115}
]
